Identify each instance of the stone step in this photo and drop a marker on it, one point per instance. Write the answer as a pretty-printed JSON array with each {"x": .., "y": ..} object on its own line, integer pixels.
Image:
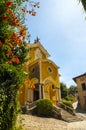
[{"x": 66, "y": 116}]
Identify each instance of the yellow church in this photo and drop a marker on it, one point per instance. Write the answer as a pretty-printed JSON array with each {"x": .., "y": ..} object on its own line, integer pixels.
[{"x": 43, "y": 80}]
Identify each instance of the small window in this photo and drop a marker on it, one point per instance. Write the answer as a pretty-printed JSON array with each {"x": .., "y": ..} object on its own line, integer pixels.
[
  {"x": 33, "y": 70},
  {"x": 49, "y": 69},
  {"x": 83, "y": 86},
  {"x": 53, "y": 86}
]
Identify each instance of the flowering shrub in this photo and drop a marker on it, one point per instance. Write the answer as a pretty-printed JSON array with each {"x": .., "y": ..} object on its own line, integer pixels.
[
  {"x": 30, "y": 83},
  {"x": 12, "y": 57}
]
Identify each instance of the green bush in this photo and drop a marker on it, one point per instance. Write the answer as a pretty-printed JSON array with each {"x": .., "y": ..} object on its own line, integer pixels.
[
  {"x": 44, "y": 107},
  {"x": 70, "y": 98},
  {"x": 68, "y": 103}
]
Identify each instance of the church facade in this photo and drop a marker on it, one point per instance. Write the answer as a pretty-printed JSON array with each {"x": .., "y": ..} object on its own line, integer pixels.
[{"x": 43, "y": 80}]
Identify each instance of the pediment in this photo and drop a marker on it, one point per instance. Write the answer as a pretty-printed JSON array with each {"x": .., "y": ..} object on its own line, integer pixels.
[{"x": 39, "y": 48}]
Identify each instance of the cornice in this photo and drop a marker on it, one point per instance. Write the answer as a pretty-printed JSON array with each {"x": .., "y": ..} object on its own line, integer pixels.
[
  {"x": 79, "y": 76},
  {"x": 39, "y": 45},
  {"x": 50, "y": 61}
]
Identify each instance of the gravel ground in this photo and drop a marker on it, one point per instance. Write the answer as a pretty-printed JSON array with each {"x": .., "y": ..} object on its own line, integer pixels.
[{"x": 37, "y": 123}]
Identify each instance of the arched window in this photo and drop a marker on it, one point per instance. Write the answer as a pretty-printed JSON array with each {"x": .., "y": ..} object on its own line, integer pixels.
[{"x": 49, "y": 69}]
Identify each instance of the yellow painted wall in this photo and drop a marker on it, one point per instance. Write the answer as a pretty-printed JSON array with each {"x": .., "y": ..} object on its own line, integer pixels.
[
  {"x": 45, "y": 73},
  {"x": 43, "y": 56},
  {"x": 32, "y": 53},
  {"x": 50, "y": 93}
]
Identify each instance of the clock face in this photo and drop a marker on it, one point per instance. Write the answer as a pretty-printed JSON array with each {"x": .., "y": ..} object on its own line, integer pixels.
[{"x": 38, "y": 54}]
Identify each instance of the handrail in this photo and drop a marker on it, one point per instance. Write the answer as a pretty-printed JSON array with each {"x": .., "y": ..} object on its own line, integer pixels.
[
  {"x": 57, "y": 109},
  {"x": 69, "y": 109},
  {"x": 31, "y": 104}
]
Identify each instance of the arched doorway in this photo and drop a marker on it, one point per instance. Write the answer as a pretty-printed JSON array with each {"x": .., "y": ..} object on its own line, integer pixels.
[{"x": 50, "y": 92}]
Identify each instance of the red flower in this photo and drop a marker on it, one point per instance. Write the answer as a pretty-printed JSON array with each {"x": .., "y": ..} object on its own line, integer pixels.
[
  {"x": 32, "y": 86},
  {"x": 33, "y": 13},
  {"x": 28, "y": 81},
  {"x": 9, "y": 62},
  {"x": 17, "y": 22},
  {"x": 4, "y": 17},
  {"x": 12, "y": 51},
  {"x": 23, "y": 31},
  {"x": 13, "y": 20},
  {"x": 15, "y": 59},
  {"x": 9, "y": 4},
  {"x": 15, "y": 36},
  {"x": 0, "y": 44},
  {"x": 10, "y": 11}
]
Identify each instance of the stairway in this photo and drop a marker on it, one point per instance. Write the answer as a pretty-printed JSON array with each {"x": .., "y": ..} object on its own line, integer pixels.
[
  {"x": 30, "y": 107},
  {"x": 66, "y": 116}
]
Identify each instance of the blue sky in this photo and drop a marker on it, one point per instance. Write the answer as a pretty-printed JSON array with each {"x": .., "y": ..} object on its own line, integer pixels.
[{"x": 61, "y": 27}]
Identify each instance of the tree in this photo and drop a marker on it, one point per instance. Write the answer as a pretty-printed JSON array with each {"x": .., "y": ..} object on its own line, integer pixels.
[
  {"x": 83, "y": 3},
  {"x": 12, "y": 57},
  {"x": 72, "y": 90},
  {"x": 64, "y": 90}
]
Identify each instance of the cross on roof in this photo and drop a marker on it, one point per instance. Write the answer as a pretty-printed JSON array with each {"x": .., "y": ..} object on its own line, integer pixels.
[{"x": 37, "y": 40}]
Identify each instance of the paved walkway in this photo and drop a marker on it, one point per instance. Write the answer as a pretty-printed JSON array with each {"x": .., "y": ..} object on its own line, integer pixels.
[{"x": 37, "y": 123}]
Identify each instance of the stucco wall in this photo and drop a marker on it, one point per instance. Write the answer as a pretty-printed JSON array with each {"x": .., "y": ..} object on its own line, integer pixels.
[{"x": 81, "y": 93}]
